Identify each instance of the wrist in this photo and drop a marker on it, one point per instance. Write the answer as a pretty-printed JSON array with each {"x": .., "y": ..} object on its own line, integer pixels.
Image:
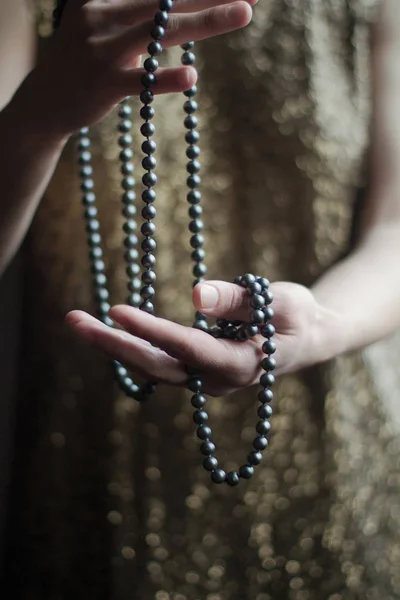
[
  {"x": 330, "y": 336},
  {"x": 28, "y": 117}
]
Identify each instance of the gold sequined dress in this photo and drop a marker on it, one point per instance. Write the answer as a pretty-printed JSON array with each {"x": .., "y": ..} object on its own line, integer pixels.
[{"x": 108, "y": 498}]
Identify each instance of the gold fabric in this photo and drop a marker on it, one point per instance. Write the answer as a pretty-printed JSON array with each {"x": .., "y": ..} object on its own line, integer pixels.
[{"x": 110, "y": 497}]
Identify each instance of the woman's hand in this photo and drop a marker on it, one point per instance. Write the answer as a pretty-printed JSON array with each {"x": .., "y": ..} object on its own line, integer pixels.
[
  {"x": 225, "y": 365},
  {"x": 93, "y": 61}
]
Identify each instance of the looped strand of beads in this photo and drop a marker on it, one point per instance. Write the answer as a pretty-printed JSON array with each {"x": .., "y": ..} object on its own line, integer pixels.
[{"x": 141, "y": 288}]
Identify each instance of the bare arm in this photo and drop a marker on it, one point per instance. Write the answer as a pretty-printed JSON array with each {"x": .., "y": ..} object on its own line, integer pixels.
[
  {"x": 356, "y": 303},
  {"x": 19, "y": 196},
  {"x": 91, "y": 65},
  {"x": 361, "y": 296}
]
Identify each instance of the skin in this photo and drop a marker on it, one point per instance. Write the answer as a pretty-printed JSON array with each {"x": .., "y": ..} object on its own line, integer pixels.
[
  {"x": 312, "y": 325},
  {"x": 356, "y": 303},
  {"x": 92, "y": 64}
]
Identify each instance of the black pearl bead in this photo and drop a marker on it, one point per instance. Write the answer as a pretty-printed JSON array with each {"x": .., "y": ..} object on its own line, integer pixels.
[
  {"x": 194, "y": 197},
  {"x": 265, "y": 396},
  {"x": 195, "y": 385},
  {"x": 192, "y": 137},
  {"x": 149, "y": 179},
  {"x": 268, "y": 313},
  {"x": 251, "y": 330},
  {"x": 166, "y": 5},
  {"x": 201, "y": 324},
  {"x": 260, "y": 443},
  {"x": 92, "y": 226},
  {"x": 148, "y": 229},
  {"x": 101, "y": 294},
  {"x": 199, "y": 270},
  {"x": 200, "y": 417},
  {"x": 198, "y": 255},
  {"x": 149, "y": 146},
  {"x": 149, "y": 277},
  {"x": 129, "y": 211},
  {"x": 188, "y": 58},
  {"x": 132, "y": 270},
  {"x": 88, "y": 198},
  {"x": 161, "y": 18},
  {"x": 193, "y": 167},
  {"x": 147, "y": 129},
  {"x": 263, "y": 427},
  {"x": 148, "y": 245},
  {"x": 255, "y": 288},
  {"x": 248, "y": 279},
  {"x": 196, "y": 241},
  {"x": 267, "y": 296},
  {"x": 268, "y": 330},
  {"x": 195, "y": 210},
  {"x": 210, "y": 463},
  {"x": 218, "y": 476},
  {"x": 125, "y": 140},
  {"x": 257, "y": 301},
  {"x": 124, "y": 111},
  {"x": 128, "y": 183},
  {"x": 127, "y": 169},
  {"x": 94, "y": 239},
  {"x": 193, "y": 152},
  {"x": 269, "y": 347},
  {"x": 269, "y": 364},
  {"x": 129, "y": 197},
  {"x": 148, "y": 261},
  {"x": 254, "y": 458},
  {"x": 158, "y": 32},
  {"x": 207, "y": 448},
  {"x": 198, "y": 400},
  {"x": 257, "y": 316},
  {"x": 126, "y": 155},
  {"x": 147, "y": 306},
  {"x": 147, "y": 112},
  {"x": 263, "y": 281},
  {"x": 267, "y": 380},
  {"x": 193, "y": 181},
  {"x": 147, "y": 292},
  {"x": 151, "y": 64},
  {"x": 87, "y": 185},
  {"x": 265, "y": 411},
  {"x": 131, "y": 255},
  {"x": 193, "y": 90},
  {"x": 190, "y": 122},
  {"x": 96, "y": 252},
  {"x": 203, "y": 432},
  {"x": 246, "y": 471},
  {"x": 129, "y": 226},
  {"x": 149, "y": 196},
  {"x": 149, "y": 163},
  {"x": 146, "y": 96},
  {"x": 232, "y": 478},
  {"x": 125, "y": 126}
]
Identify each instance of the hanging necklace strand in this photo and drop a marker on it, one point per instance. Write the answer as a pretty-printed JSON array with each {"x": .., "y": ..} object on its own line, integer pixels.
[{"x": 141, "y": 280}]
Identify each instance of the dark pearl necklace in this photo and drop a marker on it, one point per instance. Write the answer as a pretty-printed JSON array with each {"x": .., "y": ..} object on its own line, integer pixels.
[{"x": 141, "y": 279}]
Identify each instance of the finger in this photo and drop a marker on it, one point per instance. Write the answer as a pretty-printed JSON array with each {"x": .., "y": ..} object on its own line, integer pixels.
[
  {"x": 176, "y": 79},
  {"x": 136, "y": 354},
  {"x": 222, "y": 299},
  {"x": 133, "y": 13},
  {"x": 192, "y": 346},
  {"x": 202, "y": 25}
]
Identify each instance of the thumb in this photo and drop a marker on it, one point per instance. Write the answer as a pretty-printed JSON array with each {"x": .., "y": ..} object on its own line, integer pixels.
[{"x": 222, "y": 299}]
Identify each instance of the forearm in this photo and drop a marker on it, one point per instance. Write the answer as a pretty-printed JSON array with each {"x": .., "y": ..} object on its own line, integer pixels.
[
  {"x": 359, "y": 298},
  {"x": 29, "y": 152}
]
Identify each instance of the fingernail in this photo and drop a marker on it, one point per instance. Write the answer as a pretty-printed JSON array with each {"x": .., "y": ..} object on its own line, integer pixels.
[{"x": 208, "y": 296}]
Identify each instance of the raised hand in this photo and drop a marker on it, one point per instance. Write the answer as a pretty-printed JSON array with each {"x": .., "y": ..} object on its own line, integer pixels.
[{"x": 93, "y": 61}]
